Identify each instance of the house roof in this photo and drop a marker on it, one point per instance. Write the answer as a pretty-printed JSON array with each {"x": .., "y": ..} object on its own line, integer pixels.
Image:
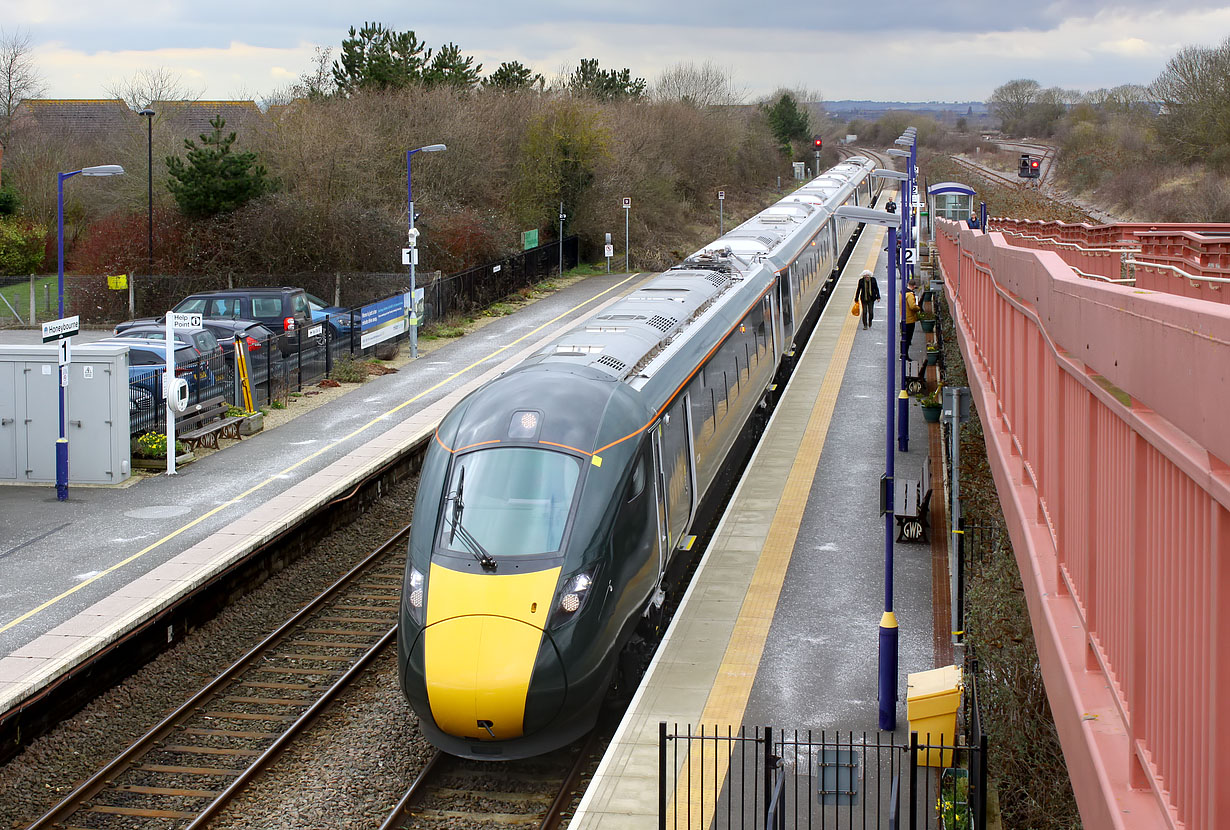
[
  {"x": 190, "y": 119},
  {"x": 77, "y": 118}
]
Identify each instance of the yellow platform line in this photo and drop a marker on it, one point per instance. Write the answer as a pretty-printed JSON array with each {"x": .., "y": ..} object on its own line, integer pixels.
[{"x": 698, "y": 787}]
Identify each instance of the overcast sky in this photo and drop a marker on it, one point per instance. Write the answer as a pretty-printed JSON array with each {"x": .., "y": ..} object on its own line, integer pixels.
[{"x": 886, "y": 50}]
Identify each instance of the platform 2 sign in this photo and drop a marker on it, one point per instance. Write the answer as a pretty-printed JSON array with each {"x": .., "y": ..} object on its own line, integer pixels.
[{"x": 382, "y": 321}]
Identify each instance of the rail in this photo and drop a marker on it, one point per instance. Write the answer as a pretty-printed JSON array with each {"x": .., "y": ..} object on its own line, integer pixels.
[
  {"x": 530, "y": 792},
  {"x": 1101, "y": 411},
  {"x": 121, "y": 786}
]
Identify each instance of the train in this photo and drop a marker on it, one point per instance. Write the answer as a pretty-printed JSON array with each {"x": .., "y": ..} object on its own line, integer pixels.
[{"x": 555, "y": 500}]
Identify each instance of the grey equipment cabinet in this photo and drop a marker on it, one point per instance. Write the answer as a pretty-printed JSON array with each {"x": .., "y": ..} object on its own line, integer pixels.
[{"x": 96, "y": 423}]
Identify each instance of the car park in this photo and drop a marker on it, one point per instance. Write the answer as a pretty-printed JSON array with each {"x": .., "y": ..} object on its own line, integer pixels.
[{"x": 282, "y": 309}]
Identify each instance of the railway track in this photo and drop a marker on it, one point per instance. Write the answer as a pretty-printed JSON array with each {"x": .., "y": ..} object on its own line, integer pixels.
[
  {"x": 454, "y": 792},
  {"x": 185, "y": 769},
  {"x": 993, "y": 176}
]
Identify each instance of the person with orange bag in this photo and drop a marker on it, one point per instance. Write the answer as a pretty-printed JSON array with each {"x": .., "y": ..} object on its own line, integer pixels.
[{"x": 867, "y": 293}]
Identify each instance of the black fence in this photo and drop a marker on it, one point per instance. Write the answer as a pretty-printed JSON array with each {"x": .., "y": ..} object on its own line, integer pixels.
[
  {"x": 774, "y": 779},
  {"x": 274, "y": 372},
  {"x": 479, "y": 287}
]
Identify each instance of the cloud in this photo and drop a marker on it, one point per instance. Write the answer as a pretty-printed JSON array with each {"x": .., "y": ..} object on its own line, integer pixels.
[{"x": 943, "y": 50}]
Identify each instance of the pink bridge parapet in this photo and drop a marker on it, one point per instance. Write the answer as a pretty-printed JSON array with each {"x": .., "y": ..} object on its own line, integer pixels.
[{"x": 1106, "y": 410}]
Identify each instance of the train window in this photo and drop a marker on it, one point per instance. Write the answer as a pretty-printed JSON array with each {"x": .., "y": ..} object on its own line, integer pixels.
[
  {"x": 512, "y": 501},
  {"x": 637, "y": 485}
]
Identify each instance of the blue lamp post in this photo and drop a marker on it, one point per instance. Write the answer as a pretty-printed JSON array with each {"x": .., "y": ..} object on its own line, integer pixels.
[
  {"x": 903, "y": 397},
  {"x": 62, "y": 442},
  {"x": 888, "y": 639},
  {"x": 414, "y": 330}
]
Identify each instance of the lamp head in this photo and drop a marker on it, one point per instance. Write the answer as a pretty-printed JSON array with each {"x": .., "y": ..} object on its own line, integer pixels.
[
  {"x": 905, "y": 142},
  {"x": 898, "y": 153},
  {"x": 147, "y": 112},
  {"x": 431, "y": 148},
  {"x": 103, "y": 170}
]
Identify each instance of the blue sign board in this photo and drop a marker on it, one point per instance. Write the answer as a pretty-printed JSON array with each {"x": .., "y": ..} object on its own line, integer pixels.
[{"x": 382, "y": 321}]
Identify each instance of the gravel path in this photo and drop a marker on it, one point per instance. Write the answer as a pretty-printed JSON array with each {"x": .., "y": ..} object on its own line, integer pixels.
[{"x": 37, "y": 779}]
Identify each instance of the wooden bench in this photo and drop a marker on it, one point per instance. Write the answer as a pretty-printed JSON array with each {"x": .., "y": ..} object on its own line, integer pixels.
[
  {"x": 912, "y": 505},
  {"x": 205, "y": 422},
  {"x": 915, "y": 381}
]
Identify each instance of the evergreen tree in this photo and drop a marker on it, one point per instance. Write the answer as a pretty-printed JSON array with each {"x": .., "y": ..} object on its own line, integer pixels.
[
  {"x": 604, "y": 84},
  {"x": 787, "y": 121},
  {"x": 377, "y": 58},
  {"x": 513, "y": 75},
  {"x": 450, "y": 68},
  {"x": 214, "y": 180}
]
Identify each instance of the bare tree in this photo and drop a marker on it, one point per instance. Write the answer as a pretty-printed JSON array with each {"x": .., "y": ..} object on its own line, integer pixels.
[
  {"x": 19, "y": 78},
  {"x": 703, "y": 85},
  {"x": 146, "y": 86},
  {"x": 1195, "y": 108},
  {"x": 1011, "y": 102}
]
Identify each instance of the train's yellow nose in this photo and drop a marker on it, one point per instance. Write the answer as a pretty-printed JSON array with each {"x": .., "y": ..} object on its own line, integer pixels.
[
  {"x": 478, "y": 674},
  {"x": 480, "y": 646}
]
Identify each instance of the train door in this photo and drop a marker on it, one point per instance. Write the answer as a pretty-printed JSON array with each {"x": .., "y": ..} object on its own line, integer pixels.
[
  {"x": 786, "y": 304},
  {"x": 659, "y": 482},
  {"x": 678, "y": 475}
]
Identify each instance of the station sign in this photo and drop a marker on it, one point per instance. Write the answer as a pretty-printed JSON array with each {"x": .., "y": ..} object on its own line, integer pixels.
[{"x": 59, "y": 329}]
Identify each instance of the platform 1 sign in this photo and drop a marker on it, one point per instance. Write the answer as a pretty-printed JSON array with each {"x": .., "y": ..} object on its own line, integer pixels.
[
  {"x": 382, "y": 321},
  {"x": 59, "y": 329}
]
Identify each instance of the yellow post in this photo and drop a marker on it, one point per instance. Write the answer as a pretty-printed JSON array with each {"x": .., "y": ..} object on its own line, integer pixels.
[{"x": 241, "y": 366}]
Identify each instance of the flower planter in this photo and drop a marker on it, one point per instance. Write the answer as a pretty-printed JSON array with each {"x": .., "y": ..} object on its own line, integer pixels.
[
  {"x": 933, "y": 358},
  {"x": 140, "y": 463},
  {"x": 931, "y": 414},
  {"x": 252, "y": 424},
  {"x": 928, "y": 325}
]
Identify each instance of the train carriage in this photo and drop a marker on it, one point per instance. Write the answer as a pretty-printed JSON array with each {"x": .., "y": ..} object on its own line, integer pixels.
[{"x": 555, "y": 499}]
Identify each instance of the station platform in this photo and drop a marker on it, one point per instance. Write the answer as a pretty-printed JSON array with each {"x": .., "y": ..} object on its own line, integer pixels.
[
  {"x": 780, "y": 624},
  {"x": 76, "y": 576}
]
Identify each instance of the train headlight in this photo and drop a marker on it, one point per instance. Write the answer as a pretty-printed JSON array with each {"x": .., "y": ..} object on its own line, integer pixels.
[
  {"x": 416, "y": 594},
  {"x": 571, "y": 598}
]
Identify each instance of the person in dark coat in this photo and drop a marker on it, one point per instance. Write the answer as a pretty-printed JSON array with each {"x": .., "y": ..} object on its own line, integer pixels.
[{"x": 867, "y": 293}]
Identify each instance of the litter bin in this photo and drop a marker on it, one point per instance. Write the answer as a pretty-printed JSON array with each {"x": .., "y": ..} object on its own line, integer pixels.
[{"x": 931, "y": 703}]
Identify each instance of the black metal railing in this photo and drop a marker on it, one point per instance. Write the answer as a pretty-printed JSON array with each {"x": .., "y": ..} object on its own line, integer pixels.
[
  {"x": 479, "y": 287},
  {"x": 274, "y": 373},
  {"x": 806, "y": 778}
]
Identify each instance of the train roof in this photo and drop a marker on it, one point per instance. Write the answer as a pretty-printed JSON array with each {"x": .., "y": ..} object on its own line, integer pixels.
[{"x": 633, "y": 339}]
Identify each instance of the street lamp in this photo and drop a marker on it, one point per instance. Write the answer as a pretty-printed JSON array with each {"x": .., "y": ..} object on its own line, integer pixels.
[
  {"x": 62, "y": 443},
  {"x": 149, "y": 117},
  {"x": 907, "y": 244},
  {"x": 413, "y": 242},
  {"x": 888, "y": 649}
]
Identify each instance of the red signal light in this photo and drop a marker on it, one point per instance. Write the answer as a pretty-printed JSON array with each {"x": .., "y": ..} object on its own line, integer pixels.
[
  {"x": 1034, "y": 163},
  {"x": 817, "y": 142}
]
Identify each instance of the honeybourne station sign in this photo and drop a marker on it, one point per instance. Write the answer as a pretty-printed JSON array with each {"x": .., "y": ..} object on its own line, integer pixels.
[{"x": 62, "y": 328}]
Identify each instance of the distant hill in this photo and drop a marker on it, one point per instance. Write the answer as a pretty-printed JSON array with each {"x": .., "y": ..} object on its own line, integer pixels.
[{"x": 874, "y": 109}]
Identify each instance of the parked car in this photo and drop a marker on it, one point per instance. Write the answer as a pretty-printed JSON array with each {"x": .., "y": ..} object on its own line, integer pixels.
[
  {"x": 224, "y": 329},
  {"x": 282, "y": 309},
  {"x": 202, "y": 339},
  {"x": 147, "y": 360},
  {"x": 337, "y": 317}
]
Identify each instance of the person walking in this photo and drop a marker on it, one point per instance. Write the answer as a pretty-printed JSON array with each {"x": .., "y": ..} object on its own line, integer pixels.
[
  {"x": 867, "y": 293},
  {"x": 909, "y": 316}
]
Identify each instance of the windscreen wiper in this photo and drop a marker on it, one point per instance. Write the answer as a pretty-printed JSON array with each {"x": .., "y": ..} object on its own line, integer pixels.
[
  {"x": 476, "y": 547},
  {"x": 457, "y": 528}
]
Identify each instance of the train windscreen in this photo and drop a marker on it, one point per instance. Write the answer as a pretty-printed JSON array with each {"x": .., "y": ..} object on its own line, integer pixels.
[{"x": 512, "y": 501}]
